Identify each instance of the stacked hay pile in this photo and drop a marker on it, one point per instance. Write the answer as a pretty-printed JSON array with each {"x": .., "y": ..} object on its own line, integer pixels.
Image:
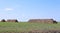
[
  {"x": 12, "y": 20},
  {"x": 42, "y": 21},
  {"x": 3, "y": 20}
]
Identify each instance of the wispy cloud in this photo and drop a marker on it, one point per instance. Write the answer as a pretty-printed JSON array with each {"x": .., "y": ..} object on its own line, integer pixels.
[{"x": 8, "y": 9}]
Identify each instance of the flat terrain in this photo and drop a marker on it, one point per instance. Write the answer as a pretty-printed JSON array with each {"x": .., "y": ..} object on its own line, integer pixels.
[{"x": 10, "y": 27}]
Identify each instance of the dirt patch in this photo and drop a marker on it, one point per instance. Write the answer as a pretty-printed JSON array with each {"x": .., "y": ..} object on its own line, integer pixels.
[{"x": 45, "y": 31}]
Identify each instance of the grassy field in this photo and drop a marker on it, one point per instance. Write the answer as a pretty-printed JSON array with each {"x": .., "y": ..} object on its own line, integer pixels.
[{"x": 25, "y": 26}]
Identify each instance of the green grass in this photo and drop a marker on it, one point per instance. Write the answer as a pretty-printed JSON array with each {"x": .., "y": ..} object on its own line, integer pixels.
[{"x": 25, "y": 26}]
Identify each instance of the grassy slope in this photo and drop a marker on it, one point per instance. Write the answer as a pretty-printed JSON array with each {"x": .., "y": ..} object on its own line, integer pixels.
[{"x": 24, "y": 26}]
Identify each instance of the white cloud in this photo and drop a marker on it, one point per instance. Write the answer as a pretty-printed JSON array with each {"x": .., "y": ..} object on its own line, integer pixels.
[{"x": 8, "y": 9}]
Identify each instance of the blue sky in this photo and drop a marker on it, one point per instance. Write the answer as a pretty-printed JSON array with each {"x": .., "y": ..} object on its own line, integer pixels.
[{"x": 23, "y": 10}]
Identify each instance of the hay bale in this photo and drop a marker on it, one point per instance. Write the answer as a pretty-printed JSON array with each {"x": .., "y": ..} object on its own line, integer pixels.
[
  {"x": 3, "y": 20},
  {"x": 12, "y": 20},
  {"x": 42, "y": 21}
]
